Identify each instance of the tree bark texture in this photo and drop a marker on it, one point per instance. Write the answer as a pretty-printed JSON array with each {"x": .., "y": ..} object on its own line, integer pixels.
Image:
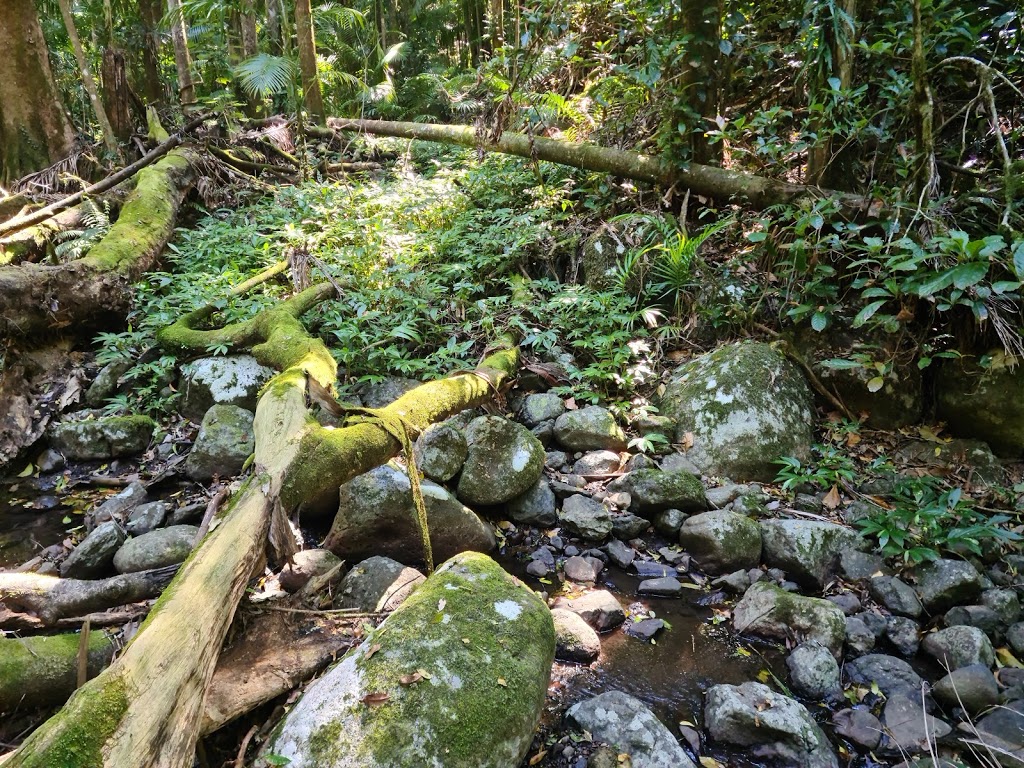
[
  {"x": 84, "y": 293},
  {"x": 307, "y": 61},
  {"x": 700, "y": 79},
  {"x": 43, "y": 670},
  {"x": 711, "y": 181},
  {"x": 117, "y": 93},
  {"x": 34, "y": 129},
  {"x": 152, "y": 84},
  {"x": 182, "y": 57},
  {"x": 87, "y": 79}
]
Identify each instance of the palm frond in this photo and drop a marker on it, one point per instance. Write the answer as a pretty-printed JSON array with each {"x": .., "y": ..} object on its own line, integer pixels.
[{"x": 264, "y": 75}]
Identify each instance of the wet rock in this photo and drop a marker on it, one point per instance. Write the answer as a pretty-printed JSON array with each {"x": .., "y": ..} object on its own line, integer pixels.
[
  {"x": 668, "y": 521},
  {"x": 50, "y": 461},
  {"x": 589, "y": 429},
  {"x": 1002, "y": 729},
  {"x": 805, "y": 549},
  {"x": 772, "y": 612},
  {"x": 649, "y": 569},
  {"x": 542, "y": 407},
  {"x": 814, "y": 673},
  {"x": 943, "y": 583},
  {"x": 645, "y": 629},
  {"x": 535, "y": 507},
  {"x": 575, "y": 640},
  {"x": 745, "y": 405},
  {"x": 623, "y": 721},
  {"x": 896, "y": 595},
  {"x": 903, "y": 633},
  {"x": 859, "y": 637},
  {"x": 972, "y": 688},
  {"x": 768, "y": 725},
  {"x": 586, "y": 518},
  {"x": 478, "y": 707},
  {"x": 620, "y": 554},
  {"x": 956, "y": 647},
  {"x": 120, "y": 504},
  {"x": 666, "y": 586},
  {"x": 538, "y": 569},
  {"x": 385, "y": 392},
  {"x": 627, "y": 526},
  {"x": 440, "y": 452},
  {"x": 653, "y": 490},
  {"x": 147, "y": 517},
  {"x": 582, "y": 569},
  {"x": 156, "y": 549},
  {"x": 858, "y": 726},
  {"x": 376, "y": 516},
  {"x": 908, "y": 728},
  {"x": 721, "y": 541},
  {"x": 225, "y": 441},
  {"x": 504, "y": 461},
  {"x": 231, "y": 380},
  {"x": 892, "y": 675},
  {"x": 599, "y": 609},
  {"x": 305, "y": 565},
  {"x": 104, "y": 437},
  {"x": 857, "y": 566},
  {"x": 93, "y": 557},
  {"x": 597, "y": 463}
]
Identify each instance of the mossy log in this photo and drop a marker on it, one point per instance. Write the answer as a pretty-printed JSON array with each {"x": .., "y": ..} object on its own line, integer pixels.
[
  {"x": 714, "y": 182},
  {"x": 43, "y": 670},
  {"x": 146, "y": 708},
  {"x": 85, "y": 292},
  {"x": 34, "y": 601}
]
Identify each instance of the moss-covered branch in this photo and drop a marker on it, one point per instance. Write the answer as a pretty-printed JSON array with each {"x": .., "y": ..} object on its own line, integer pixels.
[{"x": 43, "y": 670}]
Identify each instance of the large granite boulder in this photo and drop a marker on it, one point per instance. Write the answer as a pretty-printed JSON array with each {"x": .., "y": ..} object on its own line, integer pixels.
[
  {"x": 589, "y": 429},
  {"x": 654, "y": 490},
  {"x": 807, "y": 550},
  {"x": 745, "y": 406},
  {"x": 721, "y": 541},
  {"x": 103, "y": 437},
  {"x": 230, "y": 380},
  {"x": 504, "y": 461},
  {"x": 226, "y": 439},
  {"x": 773, "y": 612},
  {"x": 456, "y": 677}
]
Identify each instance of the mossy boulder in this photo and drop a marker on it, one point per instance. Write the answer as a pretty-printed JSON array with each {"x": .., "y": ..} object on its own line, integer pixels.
[
  {"x": 504, "y": 461},
  {"x": 772, "y": 612},
  {"x": 455, "y": 677},
  {"x": 104, "y": 437},
  {"x": 230, "y": 380},
  {"x": 807, "y": 550},
  {"x": 440, "y": 452},
  {"x": 589, "y": 429},
  {"x": 744, "y": 406},
  {"x": 164, "y": 546},
  {"x": 987, "y": 404},
  {"x": 541, "y": 407},
  {"x": 94, "y": 555},
  {"x": 721, "y": 542},
  {"x": 226, "y": 439},
  {"x": 376, "y": 516},
  {"x": 653, "y": 490}
]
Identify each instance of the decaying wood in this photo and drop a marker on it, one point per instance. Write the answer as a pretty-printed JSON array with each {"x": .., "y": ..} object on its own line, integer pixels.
[
  {"x": 710, "y": 181},
  {"x": 34, "y": 601},
  {"x": 43, "y": 670}
]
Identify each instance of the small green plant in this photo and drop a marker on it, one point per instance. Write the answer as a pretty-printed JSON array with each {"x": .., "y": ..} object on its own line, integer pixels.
[
  {"x": 653, "y": 442},
  {"x": 831, "y": 467}
]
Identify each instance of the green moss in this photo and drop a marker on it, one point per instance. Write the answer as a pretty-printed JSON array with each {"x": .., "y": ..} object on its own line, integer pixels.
[{"x": 47, "y": 662}]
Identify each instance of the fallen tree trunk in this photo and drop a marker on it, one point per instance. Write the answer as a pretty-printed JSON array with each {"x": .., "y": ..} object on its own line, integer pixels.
[
  {"x": 42, "y": 671},
  {"x": 36, "y": 601},
  {"x": 710, "y": 181},
  {"x": 84, "y": 292},
  {"x": 122, "y": 719}
]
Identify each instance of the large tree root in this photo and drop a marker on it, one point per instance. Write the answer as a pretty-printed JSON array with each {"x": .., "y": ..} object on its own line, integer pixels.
[
  {"x": 42, "y": 671},
  {"x": 83, "y": 293},
  {"x": 146, "y": 708},
  {"x": 711, "y": 181}
]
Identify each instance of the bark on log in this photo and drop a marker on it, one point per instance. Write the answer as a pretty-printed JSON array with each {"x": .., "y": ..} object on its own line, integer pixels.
[
  {"x": 718, "y": 183},
  {"x": 47, "y": 599},
  {"x": 36, "y": 298},
  {"x": 121, "y": 719},
  {"x": 43, "y": 670}
]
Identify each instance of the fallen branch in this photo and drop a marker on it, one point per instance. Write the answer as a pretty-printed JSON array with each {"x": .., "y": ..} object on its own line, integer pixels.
[{"x": 43, "y": 670}]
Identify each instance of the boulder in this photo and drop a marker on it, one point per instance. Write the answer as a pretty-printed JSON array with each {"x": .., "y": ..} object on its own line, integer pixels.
[
  {"x": 465, "y": 690},
  {"x": 654, "y": 490},
  {"x": 599, "y": 609},
  {"x": 908, "y": 728},
  {"x": 893, "y": 676},
  {"x": 896, "y": 595},
  {"x": 384, "y": 392},
  {"x": 597, "y": 463},
  {"x": 631, "y": 728},
  {"x": 767, "y": 725},
  {"x": 745, "y": 406},
  {"x": 534, "y": 507},
  {"x": 94, "y": 555},
  {"x": 164, "y": 546},
  {"x": 972, "y": 688},
  {"x": 721, "y": 541},
  {"x": 956, "y": 647},
  {"x": 575, "y": 640},
  {"x": 147, "y": 517},
  {"x": 943, "y": 583},
  {"x": 814, "y": 672},
  {"x": 504, "y": 461},
  {"x": 230, "y": 380},
  {"x": 586, "y": 518},
  {"x": 806, "y": 549},
  {"x": 589, "y": 429},
  {"x": 376, "y": 516},
  {"x": 440, "y": 452},
  {"x": 378, "y": 584},
  {"x": 104, "y": 437},
  {"x": 987, "y": 404},
  {"x": 226, "y": 439},
  {"x": 542, "y": 407},
  {"x": 772, "y": 612},
  {"x": 305, "y": 565},
  {"x": 105, "y": 384}
]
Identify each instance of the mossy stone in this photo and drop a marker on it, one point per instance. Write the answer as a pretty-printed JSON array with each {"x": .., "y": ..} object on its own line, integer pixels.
[
  {"x": 226, "y": 439},
  {"x": 102, "y": 438},
  {"x": 652, "y": 490},
  {"x": 985, "y": 404},
  {"x": 504, "y": 461},
  {"x": 770, "y": 611},
  {"x": 721, "y": 541},
  {"x": 456, "y": 677}
]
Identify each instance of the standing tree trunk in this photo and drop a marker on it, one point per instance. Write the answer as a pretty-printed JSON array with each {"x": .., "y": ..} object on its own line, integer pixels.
[
  {"x": 700, "y": 79},
  {"x": 925, "y": 177},
  {"x": 117, "y": 93},
  {"x": 90, "y": 85},
  {"x": 182, "y": 58},
  {"x": 823, "y": 168},
  {"x": 34, "y": 129},
  {"x": 152, "y": 86},
  {"x": 307, "y": 61},
  {"x": 274, "y": 31}
]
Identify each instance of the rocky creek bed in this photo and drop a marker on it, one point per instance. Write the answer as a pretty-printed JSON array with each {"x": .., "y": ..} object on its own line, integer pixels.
[{"x": 690, "y": 617}]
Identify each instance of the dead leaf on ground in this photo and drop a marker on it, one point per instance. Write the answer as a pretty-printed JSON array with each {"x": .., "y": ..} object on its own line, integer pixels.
[
  {"x": 412, "y": 679},
  {"x": 538, "y": 757},
  {"x": 832, "y": 499},
  {"x": 375, "y": 699},
  {"x": 371, "y": 650}
]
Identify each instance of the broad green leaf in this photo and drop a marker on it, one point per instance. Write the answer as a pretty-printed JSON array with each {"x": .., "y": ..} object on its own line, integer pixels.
[
  {"x": 867, "y": 313},
  {"x": 876, "y": 384},
  {"x": 819, "y": 321},
  {"x": 967, "y": 275}
]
